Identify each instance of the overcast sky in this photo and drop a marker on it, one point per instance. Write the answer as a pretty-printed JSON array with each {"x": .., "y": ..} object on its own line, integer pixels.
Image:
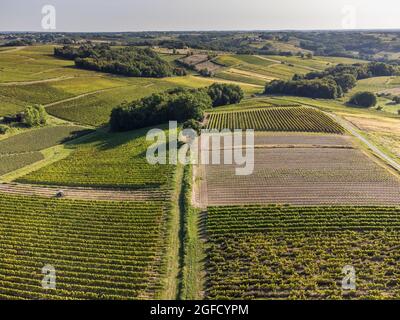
[{"x": 142, "y": 15}]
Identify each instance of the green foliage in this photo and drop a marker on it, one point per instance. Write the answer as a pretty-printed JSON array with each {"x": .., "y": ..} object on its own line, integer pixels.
[
  {"x": 224, "y": 94},
  {"x": 3, "y": 129},
  {"x": 176, "y": 104},
  {"x": 331, "y": 83},
  {"x": 317, "y": 88},
  {"x": 129, "y": 61},
  {"x": 364, "y": 99},
  {"x": 35, "y": 116},
  {"x": 192, "y": 124}
]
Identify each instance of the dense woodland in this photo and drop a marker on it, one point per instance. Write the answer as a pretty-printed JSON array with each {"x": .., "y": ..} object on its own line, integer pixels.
[
  {"x": 129, "y": 61},
  {"x": 177, "y": 104}
]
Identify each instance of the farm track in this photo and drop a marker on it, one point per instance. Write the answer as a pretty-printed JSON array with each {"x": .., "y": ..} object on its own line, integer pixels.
[
  {"x": 83, "y": 95},
  {"x": 25, "y": 83},
  {"x": 76, "y": 193},
  {"x": 353, "y": 130}
]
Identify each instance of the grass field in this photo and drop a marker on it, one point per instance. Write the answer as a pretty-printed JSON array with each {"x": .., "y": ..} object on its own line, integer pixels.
[
  {"x": 276, "y": 252},
  {"x": 100, "y": 250},
  {"x": 275, "y": 119}
]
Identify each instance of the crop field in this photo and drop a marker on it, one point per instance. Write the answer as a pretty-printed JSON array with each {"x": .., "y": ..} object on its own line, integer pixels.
[
  {"x": 11, "y": 162},
  {"x": 39, "y": 139},
  {"x": 275, "y": 119},
  {"x": 95, "y": 109},
  {"x": 23, "y": 149},
  {"x": 287, "y": 171},
  {"x": 100, "y": 250},
  {"x": 284, "y": 252},
  {"x": 105, "y": 160}
]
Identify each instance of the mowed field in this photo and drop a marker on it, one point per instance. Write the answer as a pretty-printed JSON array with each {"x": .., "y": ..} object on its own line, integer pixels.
[{"x": 291, "y": 252}]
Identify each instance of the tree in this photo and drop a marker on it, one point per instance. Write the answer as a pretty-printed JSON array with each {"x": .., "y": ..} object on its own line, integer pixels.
[
  {"x": 364, "y": 99},
  {"x": 35, "y": 116},
  {"x": 223, "y": 94},
  {"x": 346, "y": 81}
]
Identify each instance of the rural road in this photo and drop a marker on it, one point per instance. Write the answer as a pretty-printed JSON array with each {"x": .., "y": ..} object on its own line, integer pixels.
[{"x": 354, "y": 131}]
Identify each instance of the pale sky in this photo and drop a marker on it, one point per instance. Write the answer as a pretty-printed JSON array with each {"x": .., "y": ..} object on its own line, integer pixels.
[{"x": 166, "y": 15}]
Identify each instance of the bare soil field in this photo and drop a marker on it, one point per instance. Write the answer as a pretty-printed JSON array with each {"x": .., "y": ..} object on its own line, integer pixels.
[{"x": 316, "y": 174}]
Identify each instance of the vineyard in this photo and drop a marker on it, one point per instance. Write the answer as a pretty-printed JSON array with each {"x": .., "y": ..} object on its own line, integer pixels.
[
  {"x": 301, "y": 175},
  {"x": 283, "y": 252},
  {"x": 105, "y": 160},
  {"x": 39, "y": 139},
  {"x": 100, "y": 250},
  {"x": 301, "y": 119}
]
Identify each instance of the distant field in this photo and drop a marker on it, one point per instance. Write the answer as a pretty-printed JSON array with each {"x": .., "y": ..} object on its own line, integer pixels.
[
  {"x": 275, "y": 119},
  {"x": 260, "y": 69},
  {"x": 100, "y": 250},
  {"x": 106, "y": 160},
  {"x": 275, "y": 252},
  {"x": 32, "y": 75}
]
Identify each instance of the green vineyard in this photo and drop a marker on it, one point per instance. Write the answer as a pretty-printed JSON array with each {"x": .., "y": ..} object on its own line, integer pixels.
[
  {"x": 281, "y": 252},
  {"x": 290, "y": 119},
  {"x": 100, "y": 250},
  {"x": 106, "y": 160}
]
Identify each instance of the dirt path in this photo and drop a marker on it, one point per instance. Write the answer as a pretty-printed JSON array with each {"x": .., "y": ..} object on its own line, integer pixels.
[
  {"x": 83, "y": 193},
  {"x": 12, "y": 50},
  {"x": 24, "y": 83},
  {"x": 82, "y": 95}
]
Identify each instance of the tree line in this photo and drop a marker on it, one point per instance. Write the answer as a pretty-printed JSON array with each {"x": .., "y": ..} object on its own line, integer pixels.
[
  {"x": 332, "y": 83},
  {"x": 128, "y": 61},
  {"x": 176, "y": 104}
]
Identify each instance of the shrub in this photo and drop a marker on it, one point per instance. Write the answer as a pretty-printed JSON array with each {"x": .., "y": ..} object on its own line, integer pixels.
[
  {"x": 223, "y": 94},
  {"x": 3, "y": 129},
  {"x": 193, "y": 124},
  {"x": 396, "y": 99},
  {"x": 364, "y": 99},
  {"x": 35, "y": 116}
]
